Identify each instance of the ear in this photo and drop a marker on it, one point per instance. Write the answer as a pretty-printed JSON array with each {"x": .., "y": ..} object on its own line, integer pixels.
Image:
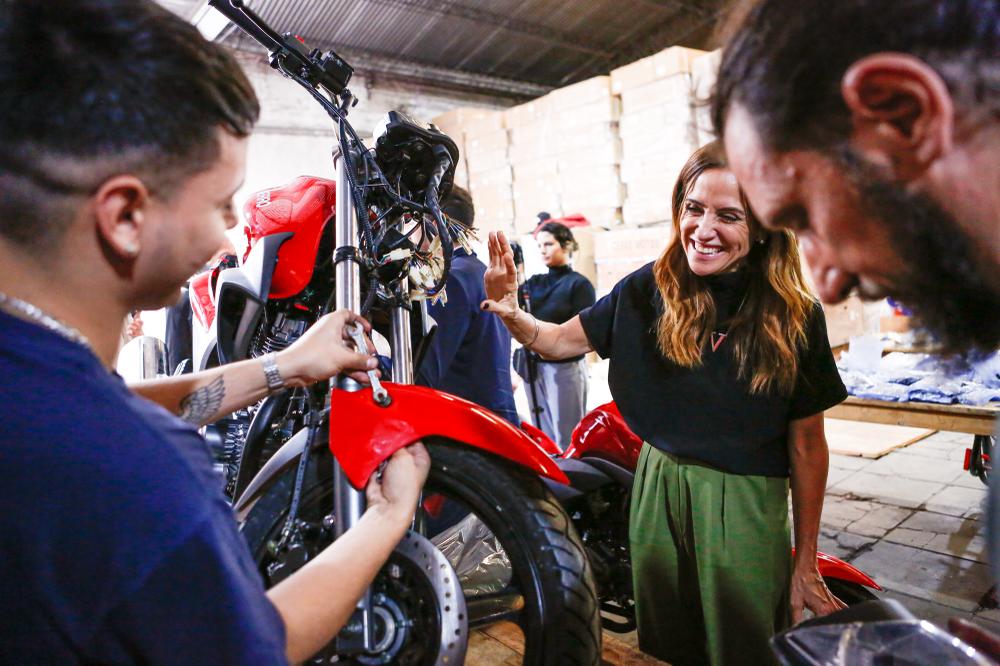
[
  {"x": 901, "y": 111},
  {"x": 120, "y": 208}
]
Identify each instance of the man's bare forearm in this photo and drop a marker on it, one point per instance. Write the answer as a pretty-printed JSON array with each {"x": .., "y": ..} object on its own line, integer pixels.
[
  {"x": 317, "y": 600},
  {"x": 204, "y": 397}
]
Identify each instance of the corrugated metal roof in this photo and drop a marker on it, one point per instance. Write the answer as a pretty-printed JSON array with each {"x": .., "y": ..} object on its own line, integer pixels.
[{"x": 514, "y": 47}]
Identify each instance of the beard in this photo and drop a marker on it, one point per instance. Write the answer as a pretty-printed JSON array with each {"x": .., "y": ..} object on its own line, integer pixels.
[{"x": 951, "y": 288}]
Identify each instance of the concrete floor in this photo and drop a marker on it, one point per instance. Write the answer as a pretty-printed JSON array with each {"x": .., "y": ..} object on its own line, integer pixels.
[{"x": 914, "y": 521}]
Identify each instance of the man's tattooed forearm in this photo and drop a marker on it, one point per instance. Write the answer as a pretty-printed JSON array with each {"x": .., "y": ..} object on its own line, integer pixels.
[{"x": 204, "y": 403}]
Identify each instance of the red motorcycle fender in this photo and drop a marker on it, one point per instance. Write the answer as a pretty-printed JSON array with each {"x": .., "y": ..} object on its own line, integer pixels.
[
  {"x": 362, "y": 434},
  {"x": 830, "y": 566},
  {"x": 541, "y": 438}
]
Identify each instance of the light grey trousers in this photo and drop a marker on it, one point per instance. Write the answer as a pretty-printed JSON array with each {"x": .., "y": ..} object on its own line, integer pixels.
[{"x": 561, "y": 389}]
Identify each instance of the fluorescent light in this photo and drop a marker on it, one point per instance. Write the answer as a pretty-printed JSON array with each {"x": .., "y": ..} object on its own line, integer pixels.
[{"x": 209, "y": 22}]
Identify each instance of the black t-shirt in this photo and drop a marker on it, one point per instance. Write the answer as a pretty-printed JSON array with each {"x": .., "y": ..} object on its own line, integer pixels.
[
  {"x": 704, "y": 413},
  {"x": 558, "y": 296}
]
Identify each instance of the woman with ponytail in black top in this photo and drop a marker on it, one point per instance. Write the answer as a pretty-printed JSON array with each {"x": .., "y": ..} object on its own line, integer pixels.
[{"x": 557, "y": 395}]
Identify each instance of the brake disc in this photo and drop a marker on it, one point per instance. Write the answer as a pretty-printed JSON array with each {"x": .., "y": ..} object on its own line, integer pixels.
[{"x": 418, "y": 599}]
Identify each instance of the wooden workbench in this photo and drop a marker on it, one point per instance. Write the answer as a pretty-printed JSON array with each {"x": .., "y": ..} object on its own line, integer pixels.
[{"x": 954, "y": 418}]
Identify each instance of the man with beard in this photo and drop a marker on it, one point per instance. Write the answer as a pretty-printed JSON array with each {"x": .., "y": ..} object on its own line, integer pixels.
[
  {"x": 122, "y": 140},
  {"x": 872, "y": 129}
]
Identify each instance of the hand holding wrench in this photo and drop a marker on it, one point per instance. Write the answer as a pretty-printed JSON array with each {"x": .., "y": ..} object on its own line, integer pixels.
[{"x": 379, "y": 394}]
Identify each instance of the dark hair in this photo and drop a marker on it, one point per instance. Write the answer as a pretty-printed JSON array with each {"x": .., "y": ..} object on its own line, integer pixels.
[
  {"x": 458, "y": 205},
  {"x": 94, "y": 88},
  {"x": 785, "y": 59},
  {"x": 561, "y": 233}
]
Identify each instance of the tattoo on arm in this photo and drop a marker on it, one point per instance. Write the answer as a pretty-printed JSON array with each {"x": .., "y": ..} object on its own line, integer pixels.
[{"x": 204, "y": 402}]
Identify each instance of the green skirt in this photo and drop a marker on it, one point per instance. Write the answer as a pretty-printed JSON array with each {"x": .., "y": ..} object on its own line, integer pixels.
[{"x": 711, "y": 561}]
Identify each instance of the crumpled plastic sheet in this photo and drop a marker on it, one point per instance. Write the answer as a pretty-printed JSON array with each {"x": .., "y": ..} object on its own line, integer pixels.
[
  {"x": 908, "y": 377},
  {"x": 897, "y": 642},
  {"x": 476, "y": 555}
]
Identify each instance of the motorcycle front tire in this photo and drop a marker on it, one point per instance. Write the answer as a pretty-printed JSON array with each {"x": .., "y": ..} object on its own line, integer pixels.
[{"x": 560, "y": 618}]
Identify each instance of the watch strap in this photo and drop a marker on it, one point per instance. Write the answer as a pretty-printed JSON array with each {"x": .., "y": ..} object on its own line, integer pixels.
[{"x": 274, "y": 380}]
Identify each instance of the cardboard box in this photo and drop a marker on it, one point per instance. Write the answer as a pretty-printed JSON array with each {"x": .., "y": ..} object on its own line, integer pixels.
[
  {"x": 537, "y": 173},
  {"x": 660, "y": 168},
  {"x": 489, "y": 161},
  {"x": 574, "y": 119},
  {"x": 610, "y": 273},
  {"x": 529, "y": 113},
  {"x": 597, "y": 186},
  {"x": 484, "y": 124},
  {"x": 528, "y": 203},
  {"x": 703, "y": 72},
  {"x": 586, "y": 137},
  {"x": 633, "y": 243},
  {"x": 673, "y": 92},
  {"x": 502, "y": 176},
  {"x": 594, "y": 89},
  {"x": 654, "y": 120},
  {"x": 674, "y": 60},
  {"x": 490, "y": 142},
  {"x": 651, "y": 209},
  {"x": 605, "y": 154},
  {"x": 474, "y": 120},
  {"x": 844, "y": 320},
  {"x": 583, "y": 259},
  {"x": 621, "y": 251}
]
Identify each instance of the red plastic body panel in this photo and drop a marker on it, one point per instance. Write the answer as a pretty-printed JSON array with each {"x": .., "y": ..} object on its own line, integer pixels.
[
  {"x": 362, "y": 434},
  {"x": 602, "y": 433},
  {"x": 202, "y": 299},
  {"x": 541, "y": 438},
  {"x": 837, "y": 568},
  {"x": 303, "y": 206}
]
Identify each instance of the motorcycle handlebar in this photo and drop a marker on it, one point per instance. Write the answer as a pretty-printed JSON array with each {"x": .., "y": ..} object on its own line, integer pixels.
[{"x": 328, "y": 70}]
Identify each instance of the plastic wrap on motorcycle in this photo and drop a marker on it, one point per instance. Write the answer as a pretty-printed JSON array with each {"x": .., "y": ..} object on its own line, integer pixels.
[
  {"x": 417, "y": 412},
  {"x": 890, "y": 642}
]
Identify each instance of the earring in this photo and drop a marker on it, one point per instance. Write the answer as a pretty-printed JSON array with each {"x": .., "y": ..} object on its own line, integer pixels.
[
  {"x": 130, "y": 251},
  {"x": 760, "y": 241}
]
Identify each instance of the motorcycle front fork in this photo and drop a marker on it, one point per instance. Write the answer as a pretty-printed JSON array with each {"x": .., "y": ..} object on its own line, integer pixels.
[{"x": 358, "y": 635}]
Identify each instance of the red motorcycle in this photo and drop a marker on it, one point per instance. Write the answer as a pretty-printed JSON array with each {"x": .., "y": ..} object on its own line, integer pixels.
[
  {"x": 489, "y": 541},
  {"x": 600, "y": 464}
]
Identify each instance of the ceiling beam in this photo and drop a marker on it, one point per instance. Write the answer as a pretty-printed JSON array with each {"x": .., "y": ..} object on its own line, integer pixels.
[
  {"x": 384, "y": 65},
  {"x": 669, "y": 32},
  {"x": 525, "y": 28}
]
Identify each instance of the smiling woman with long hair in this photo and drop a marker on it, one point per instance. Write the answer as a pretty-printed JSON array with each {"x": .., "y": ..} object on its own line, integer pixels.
[{"x": 719, "y": 360}]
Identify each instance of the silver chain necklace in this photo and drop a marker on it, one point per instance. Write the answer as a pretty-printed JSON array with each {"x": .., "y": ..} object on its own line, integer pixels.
[{"x": 33, "y": 313}]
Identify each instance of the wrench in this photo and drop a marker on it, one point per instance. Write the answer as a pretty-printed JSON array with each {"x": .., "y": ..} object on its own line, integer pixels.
[{"x": 379, "y": 394}]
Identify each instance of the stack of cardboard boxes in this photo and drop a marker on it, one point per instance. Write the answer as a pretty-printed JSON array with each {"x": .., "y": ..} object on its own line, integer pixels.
[
  {"x": 584, "y": 121},
  {"x": 484, "y": 166},
  {"x": 703, "y": 73},
  {"x": 532, "y": 160},
  {"x": 657, "y": 130}
]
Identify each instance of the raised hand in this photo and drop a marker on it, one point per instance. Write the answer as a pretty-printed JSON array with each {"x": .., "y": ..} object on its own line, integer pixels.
[{"x": 500, "y": 279}]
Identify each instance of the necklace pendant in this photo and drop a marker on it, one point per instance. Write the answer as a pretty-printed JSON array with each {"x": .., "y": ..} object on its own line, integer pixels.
[{"x": 717, "y": 340}]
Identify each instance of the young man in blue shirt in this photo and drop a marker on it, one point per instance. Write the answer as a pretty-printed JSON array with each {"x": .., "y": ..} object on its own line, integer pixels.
[
  {"x": 470, "y": 353},
  {"x": 122, "y": 141}
]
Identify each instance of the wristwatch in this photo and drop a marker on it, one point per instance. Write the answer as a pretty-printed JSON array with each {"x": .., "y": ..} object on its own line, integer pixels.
[{"x": 274, "y": 380}]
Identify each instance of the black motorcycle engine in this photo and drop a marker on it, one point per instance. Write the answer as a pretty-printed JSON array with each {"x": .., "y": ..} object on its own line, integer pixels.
[{"x": 227, "y": 437}]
